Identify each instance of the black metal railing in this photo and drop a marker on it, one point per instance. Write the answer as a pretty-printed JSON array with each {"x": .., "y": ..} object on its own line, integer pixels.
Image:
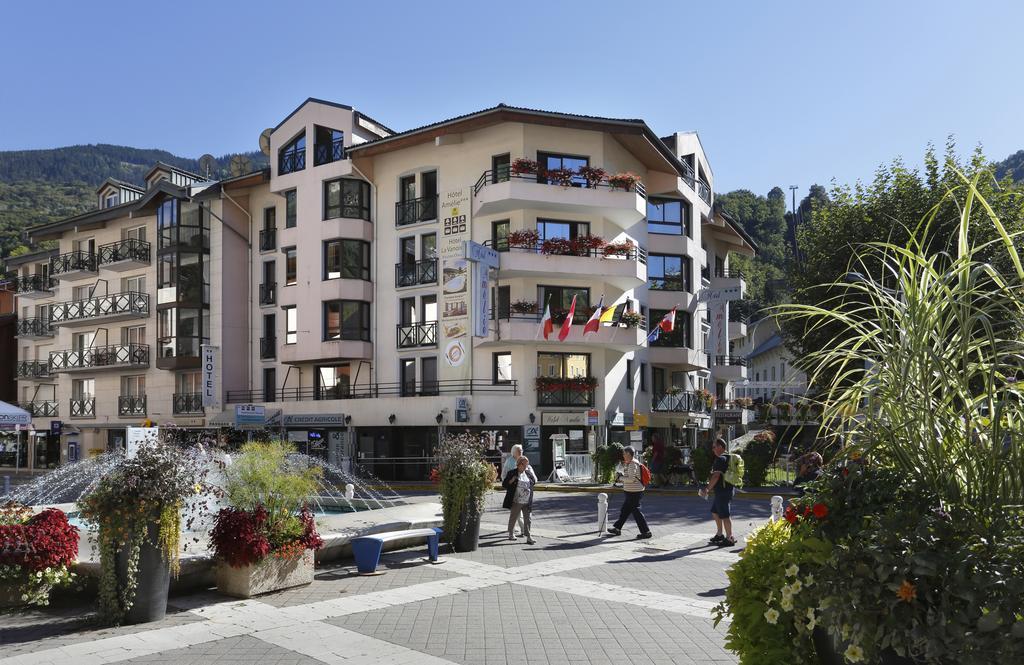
[
  {"x": 291, "y": 161},
  {"x": 32, "y": 369},
  {"x": 111, "y": 355},
  {"x": 187, "y": 403},
  {"x": 268, "y": 293},
  {"x": 565, "y": 397},
  {"x": 268, "y": 239},
  {"x": 729, "y": 273},
  {"x": 578, "y": 247},
  {"x": 41, "y": 408},
  {"x": 504, "y": 174},
  {"x": 724, "y": 361},
  {"x": 131, "y": 405},
  {"x": 84, "y": 407},
  {"x": 127, "y": 302},
  {"x": 704, "y": 191},
  {"x": 678, "y": 402},
  {"x": 579, "y": 317},
  {"x": 417, "y": 334},
  {"x": 129, "y": 249},
  {"x": 34, "y": 327},
  {"x": 325, "y": 153},
  {"x": 34, "y": 283},
  {"x": 374, "y": 390},
  {"x": 268, "y": 348},
  {"x": 738, "y": 314},
  {"x": 420, "y": 272},
  {"x": 72, "y": 261},
  {"x": 416, "y": 210}
]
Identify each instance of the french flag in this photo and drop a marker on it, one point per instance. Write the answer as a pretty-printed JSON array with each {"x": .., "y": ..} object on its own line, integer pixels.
[{"x": 546, "y": 324}]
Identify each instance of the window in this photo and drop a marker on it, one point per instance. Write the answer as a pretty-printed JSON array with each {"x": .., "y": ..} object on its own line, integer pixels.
[
  {"x": 428, "y": 182},
  {"x": 500, "y": 167},
  {"x": 407, "y": 188},
  {"x": 668, "y": 216},
  {"x": 133, "y": 335},
  {"x": 136, "y": 233},
  {"x": 502, "y": 369},
  {"x": 269, "y": 384},
  {"x": 503, "y": 301},
  {"x": 347, "y": 319},
  {"x": 136, "y": 284},
  {"x": 290, "y": 209},
  {"x": 560, "y": 299},
  {"x": 682, "y": 332},
  {"x": 290, "y": 267},
  {"x": 428, "y": 377},
  {"x": 291, "y": 325},
  {"x": 629, "y": 374},
  {"x": 563, "y": 365},
  {"x": 550, "y": 228},
  {"x": 428, "y": 308},
  {"x": 643, "y": 377},
  {"x": 333, "y": 381},
  {"x": 407, "y": 369},
  {"x": 189, "y": 382},
  {"x": 428, "y": 246},
  {"x": 83, "y": 388},
  {"x": 782, "y": 371},
  {"x": 347, "y": 259},
  {"x": 81, "y": 292},
  {"x": 292, "y": 156},
  {"x": 668, "y": 273},
  {"x": 111, "y": 200},
  {"x": 552, "y": 161},
  {"x": 499, "y": 235},
  {"x": 328, "y": 145},
  {"x": 407, "y": 251},
  {"x": 133, "y": 386},
  {"x": 269, "y": 218},
  {"x": 347, "y": 197}
]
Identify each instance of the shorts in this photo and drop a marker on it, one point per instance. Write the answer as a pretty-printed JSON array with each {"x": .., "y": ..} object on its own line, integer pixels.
[{"x": 720, "y": 503}]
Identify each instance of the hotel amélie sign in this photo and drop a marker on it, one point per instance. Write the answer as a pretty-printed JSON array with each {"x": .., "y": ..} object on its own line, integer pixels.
[{"x": 456, "y": 286}]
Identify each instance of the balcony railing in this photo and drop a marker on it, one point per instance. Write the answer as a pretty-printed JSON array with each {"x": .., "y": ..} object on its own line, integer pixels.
[
  {"x": 729, "y": 273},
  {"x": 127, "y": 302},
  {"x": 578, "y": 247},
  {"x": 579, "y": 317},
  {"x": 417, "y": 334},
  {"x": 412, "y": 274},
  {"x": 268, "y": 293},
  {"x": 73, "y": 262},
  {"x": 268, "y": 348},
  {"x": 704, "y": 191},
  {"x": 32, "y": 369},
  {"x": 129, "y": 249},
  {"x": 291, "y": 162},
  {"x": 504, "y": 174},
  {"x": 325, "y": 153},
  {"x": 268, "y": 239},
  {"x": 34, "y": 327},
  {"x": 738, "y": 314},
  {"x": 131, "y": 405},
  {"x": 678, "y": 403},
  {"x": 34, "y": 283},
  {"x": 84, "y": 407},
  {"x": 723, "y": 361},
  {"x": 375, "y": 390},
  {"x": 565, "y": 397},
  {"x": 416, "y": 210},
  {"x": 187, "y": 403},
  {"x": 112, "y": 355},
  {"x": 41, "y": 408}
]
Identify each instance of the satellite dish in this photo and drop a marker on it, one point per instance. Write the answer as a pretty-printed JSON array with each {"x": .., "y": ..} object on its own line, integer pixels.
[
  {"x": 265, "y": 141},
  {"x": 240, "y": 165},
  {"x": 207, "y": 164}
]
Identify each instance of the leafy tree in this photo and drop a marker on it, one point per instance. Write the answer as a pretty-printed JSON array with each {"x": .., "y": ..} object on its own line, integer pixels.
[{"x": 764, "y": 218}]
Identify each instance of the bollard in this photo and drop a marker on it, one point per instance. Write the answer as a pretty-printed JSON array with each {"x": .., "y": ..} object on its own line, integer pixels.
[
  {"x": 602, "y": 512},
  {"x": 350, "y": 491},
  {"x": 7, "y": 485},
  {"x": 776, "y": 508}
]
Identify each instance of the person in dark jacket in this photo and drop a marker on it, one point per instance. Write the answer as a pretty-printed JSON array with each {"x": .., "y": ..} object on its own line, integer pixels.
[
  {"x": 808, "y": 469},
  {"x": 519, "y": 485}
]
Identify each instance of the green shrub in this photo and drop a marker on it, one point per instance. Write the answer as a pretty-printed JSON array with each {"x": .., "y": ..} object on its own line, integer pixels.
[
  {"x": 606, "y": 458},
  {"x": 758, "y": 455},
  {"x": 702, "y": 460}
]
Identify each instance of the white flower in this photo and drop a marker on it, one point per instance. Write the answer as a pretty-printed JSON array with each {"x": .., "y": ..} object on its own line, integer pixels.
[
  {"x": 787, "y": 591},
  {"x": 792, "y": 570},
  {"x": 786, "y": 603},
  {"x": 796, "y": 586},
  {"x": 810, "y": 612},
  {"x": 812, "y": 624},
  {"x": 47, "y": 570},
  {"x": 771, "y": 597},
  {"x": 24, "y": 598},
  {"x": 39, "y": 574},
  {"x": 771, "y": 616},
  {"x": 854, "y": 653},
  {"x": 809, "y": 580}
]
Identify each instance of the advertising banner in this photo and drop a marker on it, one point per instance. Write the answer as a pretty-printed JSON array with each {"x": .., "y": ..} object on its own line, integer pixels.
[
  {"x": 719, "y": 338},
  {"x": 456, "y": 291}
]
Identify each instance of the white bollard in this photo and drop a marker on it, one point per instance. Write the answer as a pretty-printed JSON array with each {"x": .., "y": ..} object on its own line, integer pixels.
[
  {"x": 776, "y": 509},
  {"x": 602, "y": 512},
  {"x": 350, "y": 491}
]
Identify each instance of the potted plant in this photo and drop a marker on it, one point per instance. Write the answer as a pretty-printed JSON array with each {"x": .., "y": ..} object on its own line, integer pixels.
[
  {"x": 785, "y": 410},
  {"x": 136, "y": 510},
  {"x": 631, "y": 320},
  {"x": 465, "y": 478},
  {"x": 525, "y": 239},
  {"x": 36, "y": 554},
  {"x": 523, "y": 166},
  {"x": 265, "y": 539},
  {"x": 622, "y": 248},
  {"x": 524, "y": 307},
  {"x": 624, "y": 181},
  {"x": 705, "y": 396},
  {"x": 606, "y": 458},
  {"x": 563, "y": 177},
  {"x": 594, "y": 175}
]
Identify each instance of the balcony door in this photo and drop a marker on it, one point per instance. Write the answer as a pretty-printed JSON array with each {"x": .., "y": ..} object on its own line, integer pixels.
[
  {"x": 549, "y": 161},
  {"x": 407, "y": 252},
  {"x": 549, "y": 229}
]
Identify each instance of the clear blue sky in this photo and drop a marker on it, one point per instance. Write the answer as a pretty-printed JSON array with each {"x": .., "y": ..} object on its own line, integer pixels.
[{"x": 783, "y": 93}]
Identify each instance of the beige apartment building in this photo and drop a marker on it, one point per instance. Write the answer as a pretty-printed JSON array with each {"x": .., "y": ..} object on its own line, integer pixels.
[{"x": 372, "y": 289}]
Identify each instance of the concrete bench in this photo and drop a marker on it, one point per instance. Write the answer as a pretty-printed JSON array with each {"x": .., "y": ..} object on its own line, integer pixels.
[{"x": 367, "y": 549}]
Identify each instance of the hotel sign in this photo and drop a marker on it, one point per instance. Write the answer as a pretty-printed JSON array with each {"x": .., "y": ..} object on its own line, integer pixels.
[
  {"x": 564, "y": 419},
  {"x": 210, "y": 367},
  {"x": 456, "y": 287}
]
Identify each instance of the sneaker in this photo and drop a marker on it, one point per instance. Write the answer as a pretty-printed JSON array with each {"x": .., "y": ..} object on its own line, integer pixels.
[
  {"x": 727, "y": 542},
  {"x": 644, "y": 536},
  {"x": 614, "y": 531},
  {"x": 531, "y": 541},
  {"x": 512, "y": 537},
  {"x": 717, "y": 540}
]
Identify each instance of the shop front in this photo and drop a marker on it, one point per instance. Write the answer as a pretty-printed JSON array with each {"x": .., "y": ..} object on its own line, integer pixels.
[
  {"x": 395, "y": 452},
  {"x": 577, "y": 430},
  {"x": 321, "y": 435}
]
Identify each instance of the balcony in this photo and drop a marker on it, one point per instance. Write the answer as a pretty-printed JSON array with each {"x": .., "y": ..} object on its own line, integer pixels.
[
  {"x": 32, "y": 369},
  {"x": 84, "y": 407},
  {"x": 414, "y": 211},
  {"x": 73, "y": 265},
  {"x": 553, "y": 391},
  {"x": 113, "y": 356},
  {"x": 704, "y": 191},
  {"x": 112, "y": 307},
  {"x": 503, "y": 192},
  {"x": 35, "y": 328},
  {"x": 179, "y": 352},
  {"x": 731, "y": 280},
  {"x": 187, "y": 403},
  {"x": 416, "y": 274},
  {"x": 417, "y": 335},
  {"x": 268, "y": 240},
  {"x": 525, "y": 329},
  {"x": 34, "y": 286},
  {"x": 682, "y": 357},
  {"x": 325, "y": 153},
  {"x": 683, "y": 402},
  {"x": 268, "y": 348},
  {"x": 131, "y": 405},
  {"x": 623, "y": 268},
  {"x": 127, "y": 254},
  {"x": 291, "y": 161},
  {"x": 375, "y": 390},
  {"x": 729, "y": 368},
  {"x": 738, "y": 321},
  {"x": 41, "y": 408},
  {"x": 268, "y": 293}
]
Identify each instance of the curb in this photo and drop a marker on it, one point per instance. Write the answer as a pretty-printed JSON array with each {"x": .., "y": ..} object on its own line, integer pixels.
[{"x": 759, "y": 495}]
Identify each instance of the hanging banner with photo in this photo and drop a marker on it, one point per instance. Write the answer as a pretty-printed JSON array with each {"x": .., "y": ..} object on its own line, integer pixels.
[
  {"x": 719, "y": 328},
  {"x": 456, "y": 290}
]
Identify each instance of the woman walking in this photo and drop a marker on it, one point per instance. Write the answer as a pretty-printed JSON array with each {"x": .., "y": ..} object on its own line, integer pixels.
[
  {"x": 519, "y": 484},
  {"x": 508, "y": 466}
]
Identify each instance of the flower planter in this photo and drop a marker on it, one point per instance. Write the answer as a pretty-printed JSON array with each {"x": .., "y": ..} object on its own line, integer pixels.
[
  {"x": 269, "y": 575},
  {"x": 153, "y": 577},
  {"x": 468, "y": 537}
]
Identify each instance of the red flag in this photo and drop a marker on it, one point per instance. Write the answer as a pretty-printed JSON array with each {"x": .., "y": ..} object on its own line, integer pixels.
[
  {"x": 668, "y": 322},
  {"x": 594, "y": 323},
  {"x": 546, "y": 324},
  {"x": 564, "y": 332}
]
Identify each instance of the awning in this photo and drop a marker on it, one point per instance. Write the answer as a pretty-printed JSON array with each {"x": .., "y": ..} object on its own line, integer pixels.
[{"x": 13, "y": 415}]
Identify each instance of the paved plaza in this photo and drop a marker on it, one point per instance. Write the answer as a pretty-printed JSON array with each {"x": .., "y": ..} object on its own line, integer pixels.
[{"x": 574, "y": 597}]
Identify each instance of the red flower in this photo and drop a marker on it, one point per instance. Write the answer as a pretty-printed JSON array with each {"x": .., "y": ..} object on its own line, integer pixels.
[
  {"x": 791, "y": 515},
  {"x": 807, "y": 511},
  {"x": 846, "y": 472},
  {"x": 820, "y": 511},
  {"x": 435, "y": 475}
]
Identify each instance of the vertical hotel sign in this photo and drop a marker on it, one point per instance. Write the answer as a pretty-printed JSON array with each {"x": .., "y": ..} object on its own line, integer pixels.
[
  {"x": 456, "y": 295},
  {"x": 211, "y": 362}
]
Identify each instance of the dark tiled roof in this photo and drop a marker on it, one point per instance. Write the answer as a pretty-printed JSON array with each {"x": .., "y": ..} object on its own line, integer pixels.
[{"x": 336, "y": 105}]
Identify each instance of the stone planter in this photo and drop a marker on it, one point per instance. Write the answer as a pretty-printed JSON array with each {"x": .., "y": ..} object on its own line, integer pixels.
[{"x": 271, "y": 574}]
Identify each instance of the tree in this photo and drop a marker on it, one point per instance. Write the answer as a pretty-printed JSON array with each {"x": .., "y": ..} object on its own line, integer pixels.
[{"x": 764, "y": 218}]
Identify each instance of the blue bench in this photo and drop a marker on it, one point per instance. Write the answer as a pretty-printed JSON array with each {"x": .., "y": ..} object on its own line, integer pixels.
[{"x": 367, "y": 549}]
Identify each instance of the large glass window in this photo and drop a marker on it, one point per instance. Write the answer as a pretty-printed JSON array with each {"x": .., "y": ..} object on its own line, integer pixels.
[
  {"x": 563, "y": 365},
  {"x": 551, "y": 161},
  {"x": 407, "y": 368},
  {"x": 499, "y": 235},
  {"x": 291, "y": 213},
  {"x": 291, "y": 266},
  {"x": 291, "y": 325},
  {"x": 347, "y": 319},
  {"x": 292, "y": 156},
  {"x": 329, "y": 145},
  {"x": 668, "y": 216},
  {"x": 682, "y": 332},
  {"x": 666, "y": 272},
  {"x": 269, "y": 384},
  {"x": 502, "y": 367},
  {"x": 347, "y": 259},
  {"x": 333, "y": 381},
  {"x": 428, "y": 376},
  {"x": 560, "y": 299},
  {"x": 548, "y": 229},
  {"x": 347, "y": 197}
]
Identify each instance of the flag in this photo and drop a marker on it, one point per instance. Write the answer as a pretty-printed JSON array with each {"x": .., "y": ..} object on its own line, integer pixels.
[
  {"x": 564, "y": 332},
  {"x": 546, "y": 324},
  {"x": 668, "y": 322},
  {"x": 594, "y": 323},
  {"x": 655, "y": 334},
  {"x": 613, "y": 314}
]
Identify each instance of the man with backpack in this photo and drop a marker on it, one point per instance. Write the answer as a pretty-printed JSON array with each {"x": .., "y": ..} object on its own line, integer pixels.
[
  {"x": 635, "y": 476},
  {"x": 726, "y": 474}
]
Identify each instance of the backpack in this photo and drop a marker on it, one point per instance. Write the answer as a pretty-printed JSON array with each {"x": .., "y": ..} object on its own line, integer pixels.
[
  {"x": 645, "y": 474},
  {"x": 734, "y": 474}
]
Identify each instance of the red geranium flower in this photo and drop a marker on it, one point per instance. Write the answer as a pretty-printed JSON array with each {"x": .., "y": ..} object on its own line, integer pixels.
[
  {"x": 807, "y": 511},
  {"x": 846, "y": 472},
  {"x": 791, "y": 515},
  {"x": 820, "y": 511}
]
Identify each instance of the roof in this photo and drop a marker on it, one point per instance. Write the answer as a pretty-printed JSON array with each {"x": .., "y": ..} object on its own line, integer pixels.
[
  {"x": 772, "y": 342},
  {"x": 171, "y": 167},
  {"x": 121, "y": 183},
  {"x": 336, "y": 105},
  {"x": 738, "y": 228},
  {"x": 92, "y": 217},
  {"x": 29, "y": 257}
]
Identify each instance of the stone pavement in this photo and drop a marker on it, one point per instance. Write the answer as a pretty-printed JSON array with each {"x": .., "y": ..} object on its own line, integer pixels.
[{"x": 574, "y": 597}]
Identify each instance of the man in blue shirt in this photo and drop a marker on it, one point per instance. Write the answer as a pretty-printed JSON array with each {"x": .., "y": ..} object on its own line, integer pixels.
[{"x": 723, "y": 493}]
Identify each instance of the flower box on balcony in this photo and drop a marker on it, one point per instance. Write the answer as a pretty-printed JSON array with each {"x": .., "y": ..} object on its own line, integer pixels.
[
  {"x": 624, "y": 248},
  {"x": 623, "y": 181},
  {"x": 526, "y": 239},
  {"x": 631, "y": 319},
  {"x": 578, "y": 384},
  {"x": 523, "y": 166},
  {"x": 563, "y": 177},
  {"x": 594, "y": 175},
  {"x": 524, "y": 307}
]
